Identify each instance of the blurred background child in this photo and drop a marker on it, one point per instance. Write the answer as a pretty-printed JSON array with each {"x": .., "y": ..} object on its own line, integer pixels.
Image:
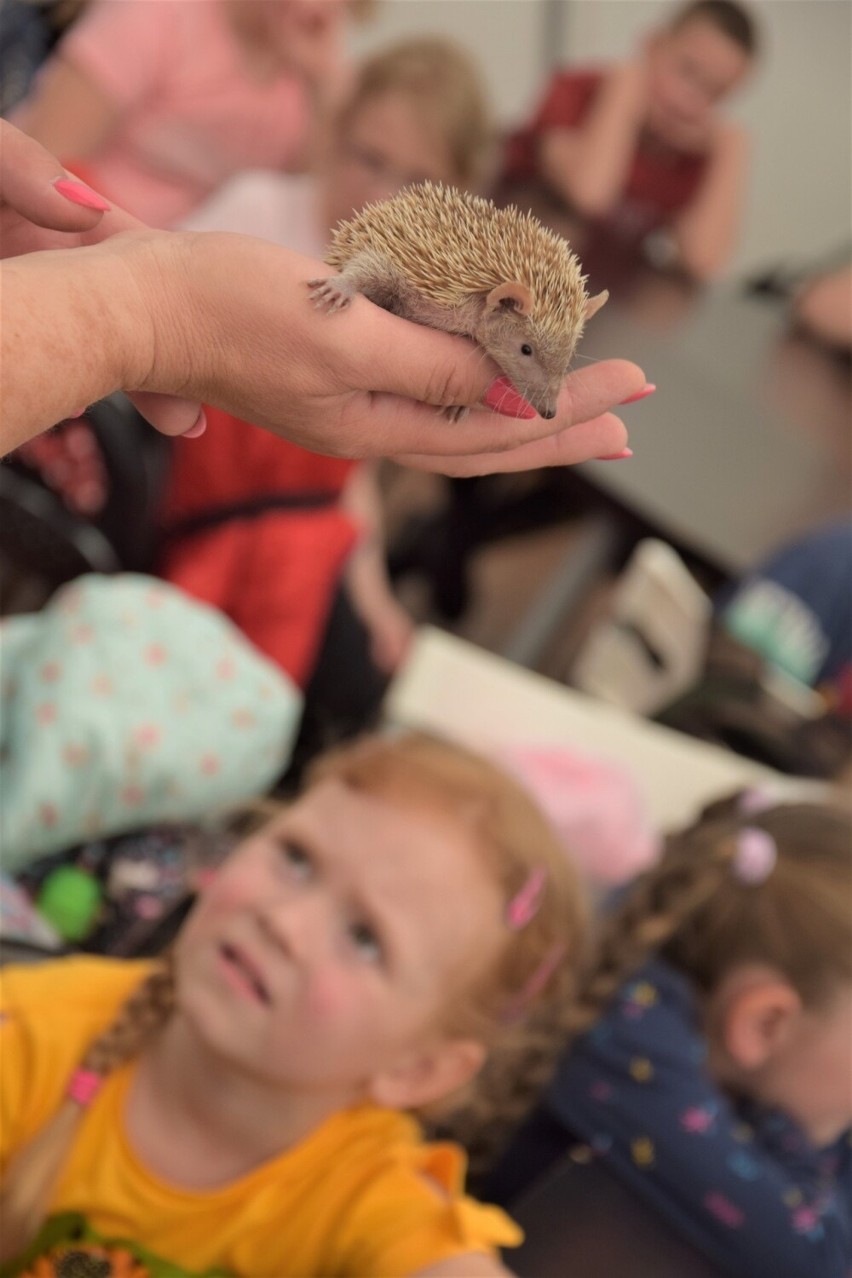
[
  {"x": 644, "y": 144},
  {"x": 397, "y": 939},
  {"x": 714, "y": 1076},
  {"x": 157, "y": 105},
  {"x": 290, "y": 545}
]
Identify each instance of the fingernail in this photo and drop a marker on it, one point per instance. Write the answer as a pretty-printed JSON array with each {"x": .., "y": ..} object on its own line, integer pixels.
[
  {"x": 647, "y": 389},
  {"x": 77, "y": 193},
  {"x": 504, "y": 399},
  {"x": 625, "y": 452},
  {"x": 197, "y": 428}
]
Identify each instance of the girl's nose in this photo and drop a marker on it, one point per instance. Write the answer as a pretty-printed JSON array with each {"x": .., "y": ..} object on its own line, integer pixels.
[{"x": 298, "y": 925}]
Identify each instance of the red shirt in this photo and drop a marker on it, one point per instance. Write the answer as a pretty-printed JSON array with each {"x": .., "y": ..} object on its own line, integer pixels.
[
  {"x": 271, "y": 567},
  {"x": 660, "y": 183}
]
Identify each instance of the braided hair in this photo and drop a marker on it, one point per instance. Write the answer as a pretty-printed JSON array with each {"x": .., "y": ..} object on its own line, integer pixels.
[
  {"x": 33, "y": 1172},
  {"x": 697, "y": 912}
]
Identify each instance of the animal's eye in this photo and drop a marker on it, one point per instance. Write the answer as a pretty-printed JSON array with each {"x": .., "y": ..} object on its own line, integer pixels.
[{"x": 526, "y": 349}]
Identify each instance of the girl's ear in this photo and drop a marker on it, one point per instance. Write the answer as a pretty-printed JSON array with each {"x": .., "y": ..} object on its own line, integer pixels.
[
  {"x": 758, "y": 1021},
  {"x": 510, "y": 297},
  {"x": 428, "y": 1075}
]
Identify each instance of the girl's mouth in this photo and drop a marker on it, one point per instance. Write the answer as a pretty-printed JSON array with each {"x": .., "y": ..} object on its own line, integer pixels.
[{"x": 243, "y": 974}]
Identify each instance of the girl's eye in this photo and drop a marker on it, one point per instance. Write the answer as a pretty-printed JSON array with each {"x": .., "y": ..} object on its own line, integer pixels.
[
  {"x": 365, "y": 941},
  {"x": 297, "y": 859},
  {"x": 526, "y": 349}
]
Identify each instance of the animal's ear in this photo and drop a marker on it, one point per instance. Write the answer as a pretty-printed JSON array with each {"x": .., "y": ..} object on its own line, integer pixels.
[
  {"x": 510, "y": 297},
  {"x": 595, "y": 303}
]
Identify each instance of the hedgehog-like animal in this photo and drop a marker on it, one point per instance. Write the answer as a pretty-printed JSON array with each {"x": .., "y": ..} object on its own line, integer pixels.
[{"x": 454, "y": 261}]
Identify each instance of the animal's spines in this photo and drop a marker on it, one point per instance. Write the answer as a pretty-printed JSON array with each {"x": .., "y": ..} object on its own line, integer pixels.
[{"x": 450, "y": 244}]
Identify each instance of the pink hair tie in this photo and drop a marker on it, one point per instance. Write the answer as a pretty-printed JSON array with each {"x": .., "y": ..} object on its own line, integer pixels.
[
  {"x": 84, "y": 1086},
  {"x": 524, "y": 905},
  {"x": 756, "y": 855}
]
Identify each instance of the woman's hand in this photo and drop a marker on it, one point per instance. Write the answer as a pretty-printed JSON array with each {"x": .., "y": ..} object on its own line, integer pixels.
[
  {"x": 176, "y": 320},
  {"x": 241, "y": 332}
]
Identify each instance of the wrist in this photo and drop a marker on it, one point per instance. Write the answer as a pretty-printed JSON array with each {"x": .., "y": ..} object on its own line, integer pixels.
[{"x": 164, "y": 309}]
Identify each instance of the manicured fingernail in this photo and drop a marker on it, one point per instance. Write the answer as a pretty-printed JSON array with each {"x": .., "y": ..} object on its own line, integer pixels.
[
  {"x": 625, "y": 452},
  {"x": 197, "y": 428},
  {"x": 647, "y": 389},
  {"x": 77, "y": 193},
  {"x": 503, "y": 398}
]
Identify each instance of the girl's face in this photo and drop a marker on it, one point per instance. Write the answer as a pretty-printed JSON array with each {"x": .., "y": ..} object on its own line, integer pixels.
[
  {"x": 386, "y": 145},
  {"x": 327, "y": 948}
]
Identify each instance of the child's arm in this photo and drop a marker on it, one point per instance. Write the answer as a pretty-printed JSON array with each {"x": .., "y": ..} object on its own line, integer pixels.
[
  {"x": 705, "y": 233},
  {"x": 588, "y": 165},
  {"x": 389, "y": 625},
  {"x": 637, "y": 1091},
  {"x": 473, "y": 1265},
  {"x": 68, "y": 113}
]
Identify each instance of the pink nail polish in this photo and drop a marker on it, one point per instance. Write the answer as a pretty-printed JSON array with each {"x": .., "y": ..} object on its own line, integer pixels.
[
  {"x": 197, "y": 428},
  {"x": 77, "y": 193},
  {"x": 622, "y": 456},
  {"x": 504, "y": 399},
  {"x": 647, "y": 389}
]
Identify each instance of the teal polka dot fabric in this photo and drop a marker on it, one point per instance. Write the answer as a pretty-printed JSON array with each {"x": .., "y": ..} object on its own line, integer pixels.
[{"x": 123, "y": 703}]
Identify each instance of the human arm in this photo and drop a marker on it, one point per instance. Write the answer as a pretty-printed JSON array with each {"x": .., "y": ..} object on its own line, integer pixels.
[
  {"x": 588, "y": 163},
  {"x": 389, "y": 625},
  {"x": 68, "y": 113},
  {"x": 705, "y": 232},
  {"x": 824, "y": 307},
  {"x": 226, "y": 320},
  {"x": 637, "y": 1091},
  {"x": 473, "y": 1265}
]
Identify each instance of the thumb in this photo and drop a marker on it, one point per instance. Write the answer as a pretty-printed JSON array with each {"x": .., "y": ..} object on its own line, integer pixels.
[{"x": 169, "y": 414}]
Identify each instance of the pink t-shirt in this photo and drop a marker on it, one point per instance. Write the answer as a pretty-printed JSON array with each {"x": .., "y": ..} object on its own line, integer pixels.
[{"x": 191, "y": 115}]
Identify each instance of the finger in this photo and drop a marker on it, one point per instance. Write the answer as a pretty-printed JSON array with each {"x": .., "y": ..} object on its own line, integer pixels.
[
  {"x": 167, "y": 413},
  {"x": 568, "y": 447},
  {"x": 391, "y": 426},
  {"x": 436, "y": 368}
]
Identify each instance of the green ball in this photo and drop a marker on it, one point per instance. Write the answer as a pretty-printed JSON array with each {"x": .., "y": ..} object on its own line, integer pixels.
[{"x": 70, "y": 899}]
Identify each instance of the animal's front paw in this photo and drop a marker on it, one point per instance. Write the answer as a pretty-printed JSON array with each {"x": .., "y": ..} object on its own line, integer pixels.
[
  {"x": 332, "y": 294},
  {"x": 455, "y": 412}
]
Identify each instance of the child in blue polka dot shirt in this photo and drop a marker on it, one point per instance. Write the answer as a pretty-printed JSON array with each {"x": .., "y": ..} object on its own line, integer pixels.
[{"x": 712, "y": 1074}]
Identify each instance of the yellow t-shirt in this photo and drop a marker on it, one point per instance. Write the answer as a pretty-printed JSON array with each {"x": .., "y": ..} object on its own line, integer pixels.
[{"x": 363, "y": 1196}]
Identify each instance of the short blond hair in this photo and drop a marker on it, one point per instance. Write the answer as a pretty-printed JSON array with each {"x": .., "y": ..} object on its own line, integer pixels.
[{"x": 443, "y": 83}]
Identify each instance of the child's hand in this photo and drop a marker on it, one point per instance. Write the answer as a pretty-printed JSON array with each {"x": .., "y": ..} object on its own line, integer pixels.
[{"x": 311, "y": 33}]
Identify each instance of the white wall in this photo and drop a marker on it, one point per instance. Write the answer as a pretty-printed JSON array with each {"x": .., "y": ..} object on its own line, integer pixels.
[{"x": 798, "y": 107}]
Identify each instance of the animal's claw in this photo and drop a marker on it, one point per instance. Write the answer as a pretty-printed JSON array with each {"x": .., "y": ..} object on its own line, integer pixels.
[
  {"x": 455, "y": 412},
  {"x": 330, "y": 295}
]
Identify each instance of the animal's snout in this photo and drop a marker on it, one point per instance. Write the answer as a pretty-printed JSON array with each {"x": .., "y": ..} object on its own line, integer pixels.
[{"x": 548, "y": 414}]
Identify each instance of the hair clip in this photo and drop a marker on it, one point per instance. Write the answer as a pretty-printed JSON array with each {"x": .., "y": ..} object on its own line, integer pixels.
[
  {"x": 84, "y": 1086},
  {"x": 524, "y": 905},
  {"x": 756, "y": 855},
  {"x": 535, "y": 983}
]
